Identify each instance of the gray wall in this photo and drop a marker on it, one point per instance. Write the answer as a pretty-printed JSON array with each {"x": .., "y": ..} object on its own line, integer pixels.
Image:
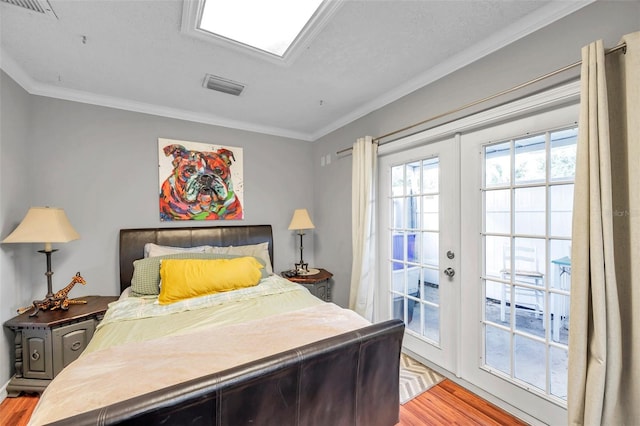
[
  {"x": 546, "y": 50},
  {"x": 101, "y": 166},
  {"x": 15, "y": 198}
]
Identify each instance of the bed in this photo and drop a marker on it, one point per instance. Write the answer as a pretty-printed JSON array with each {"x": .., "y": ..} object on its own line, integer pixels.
[{"x": 269, "y": 354}]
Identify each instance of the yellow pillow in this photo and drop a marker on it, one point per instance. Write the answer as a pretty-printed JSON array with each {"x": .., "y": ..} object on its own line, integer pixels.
[{"x": 187, "y": 278}]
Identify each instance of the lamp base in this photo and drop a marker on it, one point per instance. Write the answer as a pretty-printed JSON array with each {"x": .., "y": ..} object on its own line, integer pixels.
[
  {"x": 309, "y": 271},
  {"x": 302, "y": 269},
  {"x": 49, "y": 300},
  {"x": 301, "y": 266}
]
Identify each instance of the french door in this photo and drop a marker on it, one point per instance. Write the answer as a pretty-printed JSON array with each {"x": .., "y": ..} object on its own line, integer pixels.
[
  {"x": 475, "y": 237},
  {"x": 420, "y": 242},
  {"x": 517, "y": 179}
]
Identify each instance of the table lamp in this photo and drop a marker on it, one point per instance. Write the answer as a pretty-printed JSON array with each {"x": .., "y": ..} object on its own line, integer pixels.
[
  {"x": 44, "y": 225},
  {"x": 299, "y": 222}
]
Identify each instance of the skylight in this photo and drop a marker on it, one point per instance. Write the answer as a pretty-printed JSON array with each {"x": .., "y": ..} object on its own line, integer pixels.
[{"x": 271, "y": 26}]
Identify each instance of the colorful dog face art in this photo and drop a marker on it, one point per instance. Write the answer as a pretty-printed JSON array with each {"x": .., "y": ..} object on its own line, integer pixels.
[{"x": 199, "y": 181}]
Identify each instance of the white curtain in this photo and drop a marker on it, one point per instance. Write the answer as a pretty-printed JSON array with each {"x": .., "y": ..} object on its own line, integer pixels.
[
  {"x": 363, "y": 237},
  {"x": 604, "y": 338}
]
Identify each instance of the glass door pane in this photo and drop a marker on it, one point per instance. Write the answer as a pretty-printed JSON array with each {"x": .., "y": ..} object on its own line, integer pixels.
[
  {"x": 419, "y": 214},
  {"x": 527, "y": 198},
  {"x": 415, "y": 293}
]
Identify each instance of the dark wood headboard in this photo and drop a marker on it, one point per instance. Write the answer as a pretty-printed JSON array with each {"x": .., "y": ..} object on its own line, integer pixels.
[{"x": 132, "y": 241}]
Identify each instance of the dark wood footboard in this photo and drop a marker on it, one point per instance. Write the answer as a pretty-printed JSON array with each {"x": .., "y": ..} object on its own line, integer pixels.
[{"x": 349, "y": 379}]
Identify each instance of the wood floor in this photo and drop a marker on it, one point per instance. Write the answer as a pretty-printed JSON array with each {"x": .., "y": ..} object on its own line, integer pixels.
[
  {"x": 443, "y": 404},
  {"x": 17, "y": 411},
  {"x": 450, "y": 404}
]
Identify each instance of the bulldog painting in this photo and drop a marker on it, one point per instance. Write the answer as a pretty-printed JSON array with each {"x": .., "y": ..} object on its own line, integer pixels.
[{"x": 199, "y": 185}]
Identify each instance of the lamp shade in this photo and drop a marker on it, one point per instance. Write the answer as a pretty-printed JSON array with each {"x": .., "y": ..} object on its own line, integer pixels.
[
  {"x": 300, "y": 220},
  {"x": 43, "y": 225}
]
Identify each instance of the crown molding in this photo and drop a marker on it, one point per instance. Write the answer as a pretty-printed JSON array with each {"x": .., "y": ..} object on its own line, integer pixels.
[
  {"x": 8, "y": 65},
  {"x": 544, "y": 16},
  {"x": 15, "y": 71}
]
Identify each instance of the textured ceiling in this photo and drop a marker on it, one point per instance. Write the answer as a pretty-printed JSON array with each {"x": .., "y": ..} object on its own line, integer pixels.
[{"x": 131, "y": 54}]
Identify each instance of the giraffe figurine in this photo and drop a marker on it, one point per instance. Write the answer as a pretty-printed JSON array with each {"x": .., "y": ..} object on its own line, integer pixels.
[{"x": 58, "y": 300}]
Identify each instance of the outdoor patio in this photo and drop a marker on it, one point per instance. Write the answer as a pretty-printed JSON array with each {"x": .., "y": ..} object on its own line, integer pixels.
[{"x": 530, "y": 346}]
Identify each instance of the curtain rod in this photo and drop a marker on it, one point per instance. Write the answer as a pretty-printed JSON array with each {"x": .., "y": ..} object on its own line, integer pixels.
[{"x": 621, "y": 46}]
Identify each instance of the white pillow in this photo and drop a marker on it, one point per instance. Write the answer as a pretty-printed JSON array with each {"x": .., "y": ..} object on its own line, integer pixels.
[
  {"x": 126, "y": 293},
  {"x": 261, "y": 251},
  {"x": 154, "y": 250}
]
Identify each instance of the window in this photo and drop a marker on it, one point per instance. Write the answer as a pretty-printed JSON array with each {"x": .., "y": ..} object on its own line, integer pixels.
[{"x": 271, "y": 26}]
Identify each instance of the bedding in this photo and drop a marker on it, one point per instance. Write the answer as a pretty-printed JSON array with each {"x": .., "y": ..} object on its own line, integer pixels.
[
  {"x": 136, "y": 319},
  {"x": 162, "y": 343}
]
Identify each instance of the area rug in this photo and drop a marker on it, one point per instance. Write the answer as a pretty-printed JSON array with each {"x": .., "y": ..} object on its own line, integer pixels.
[{"x": 415, "y": 378}]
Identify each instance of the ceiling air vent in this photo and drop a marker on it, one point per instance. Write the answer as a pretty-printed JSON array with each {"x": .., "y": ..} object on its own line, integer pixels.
[
  {"x": 222, "y": 85},
  {"x": 38, "y": 6}
]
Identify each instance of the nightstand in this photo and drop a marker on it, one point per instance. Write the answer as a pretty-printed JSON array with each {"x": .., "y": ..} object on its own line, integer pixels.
[
  {"x": 50, "y": 341},
  {"x": 319, "y": 284}
]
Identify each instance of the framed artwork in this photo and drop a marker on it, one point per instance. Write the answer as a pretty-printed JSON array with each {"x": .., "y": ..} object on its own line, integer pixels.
[{"x": 199, "y": 181}]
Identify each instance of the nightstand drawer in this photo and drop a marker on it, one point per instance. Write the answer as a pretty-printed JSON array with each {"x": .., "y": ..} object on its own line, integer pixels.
[
  {"x": 36, "y": 344},
  {"x": 69, "y": 342}
]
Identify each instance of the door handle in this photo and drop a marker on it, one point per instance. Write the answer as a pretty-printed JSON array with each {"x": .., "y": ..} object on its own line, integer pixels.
[{"x": 450, "y": 272}]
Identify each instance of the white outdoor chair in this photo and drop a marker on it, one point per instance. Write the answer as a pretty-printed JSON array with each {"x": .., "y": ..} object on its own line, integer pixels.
[{"x": 525, "y": 269}]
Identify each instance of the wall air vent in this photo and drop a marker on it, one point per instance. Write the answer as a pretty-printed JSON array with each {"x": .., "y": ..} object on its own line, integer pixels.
[
  {"x": 222, "y": 85},
  {"x": 38, "y": 6}
]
